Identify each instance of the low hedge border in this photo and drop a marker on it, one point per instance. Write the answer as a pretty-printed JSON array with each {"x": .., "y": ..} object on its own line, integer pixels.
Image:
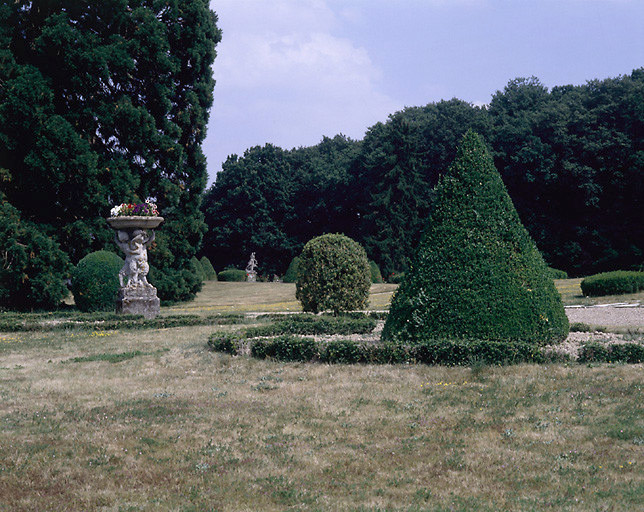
[
  {"x": 312, "y": 324},
  {"x": 346, "y": 351},
  {"x": 109, "y": 321},
  {"x": 282, "y": 341},
  {"x": 613, "y": 283}
]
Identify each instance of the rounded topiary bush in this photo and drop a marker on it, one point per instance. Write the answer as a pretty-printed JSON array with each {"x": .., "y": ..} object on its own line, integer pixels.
[
  {"x": 557, "y": 274},
  {"x": 208, "y": 269},
  {"x": 232, "y": 274},
  {"x": 613, "y": 283},
  {"x": 333, "y": 275},
  {"x": 291, "y": 272},
  {"x": 476, "y": 274},
  {"x": 95, "y": 281}
]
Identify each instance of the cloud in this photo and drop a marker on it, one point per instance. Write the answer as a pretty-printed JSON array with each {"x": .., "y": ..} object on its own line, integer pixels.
[{"x": 284, "y": 77}]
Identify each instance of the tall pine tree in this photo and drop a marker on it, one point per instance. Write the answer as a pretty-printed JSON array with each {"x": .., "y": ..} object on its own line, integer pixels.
[{"x": 105, "y": 102}]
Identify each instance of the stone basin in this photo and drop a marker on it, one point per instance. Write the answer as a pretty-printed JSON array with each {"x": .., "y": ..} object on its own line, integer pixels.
[{"x": 134, "y": 222}]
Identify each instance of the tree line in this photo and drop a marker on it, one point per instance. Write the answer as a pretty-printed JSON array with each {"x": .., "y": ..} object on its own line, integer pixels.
[{"x": 572, "y": 159}]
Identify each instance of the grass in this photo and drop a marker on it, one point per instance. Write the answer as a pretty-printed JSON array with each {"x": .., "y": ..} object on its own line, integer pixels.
[{"x": 152, "y": 420}]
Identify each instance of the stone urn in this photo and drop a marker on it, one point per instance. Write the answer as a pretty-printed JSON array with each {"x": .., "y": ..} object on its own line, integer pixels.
[{"x": 136, "y": 296}]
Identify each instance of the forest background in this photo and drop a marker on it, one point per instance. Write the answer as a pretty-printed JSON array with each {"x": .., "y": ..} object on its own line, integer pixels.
[{"x": 572, "y": 159}]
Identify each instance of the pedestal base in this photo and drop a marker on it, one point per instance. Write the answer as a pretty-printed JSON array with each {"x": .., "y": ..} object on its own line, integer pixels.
[{"x": 138, "y": 300}]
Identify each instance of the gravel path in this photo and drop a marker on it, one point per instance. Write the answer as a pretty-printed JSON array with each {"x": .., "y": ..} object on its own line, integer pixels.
[{"x": 607, "y": 316}]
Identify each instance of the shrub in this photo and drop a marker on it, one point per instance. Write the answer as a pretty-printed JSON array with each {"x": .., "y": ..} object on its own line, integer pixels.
[
  {"x": 228, "y": 342},
  {"x": 333, "y": 275},
  {"x": 33, "y": 268},
  {"x": 613, "y": 283},
  {"x": 396, "y": 277},
  {"x": 464, "y": 352},
  {"x": 341, "y": 351},
  {"x": 593, "y": 352},
  {"x": 232, "y": 274},
  {"x": 311, "y": 324},
  {"x": 476, "y": 274},
  {"x": 175, "y": 285},
  {"x": 291, "y": 272},
  {"x": 197, "y": 269},
  {"x": 557, "y": 274},
  {"x": 95, "y": 281},
  {"x": 208, "y": 269},
  {"x": 376, "y": 276},
  {"x": 286, "y": 348}
]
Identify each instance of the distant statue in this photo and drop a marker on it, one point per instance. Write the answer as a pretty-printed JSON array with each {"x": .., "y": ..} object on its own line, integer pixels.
[
  {"x": 136, "y": 266},
  {"x": 251, "y": 273}
]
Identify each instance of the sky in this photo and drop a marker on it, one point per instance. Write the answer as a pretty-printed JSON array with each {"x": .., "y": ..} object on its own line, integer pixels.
[{"x": 289, "y": 72}]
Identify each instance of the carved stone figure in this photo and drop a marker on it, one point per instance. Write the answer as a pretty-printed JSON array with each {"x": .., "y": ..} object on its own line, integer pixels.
[
  {"x": 134, "y": 244},
  {"x": 251, "y": 273},
  {"x": 136, "y": 296}
]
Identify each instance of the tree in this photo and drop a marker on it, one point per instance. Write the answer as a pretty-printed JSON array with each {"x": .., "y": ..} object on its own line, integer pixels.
[
  {"x": 333, "y": 274},
  {"x": 105, "y": 102},
  {"x": 476, "y": 273}
]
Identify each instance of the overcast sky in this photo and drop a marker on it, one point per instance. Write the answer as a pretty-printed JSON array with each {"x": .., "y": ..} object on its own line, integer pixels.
[{"x": 289, "y": 72}]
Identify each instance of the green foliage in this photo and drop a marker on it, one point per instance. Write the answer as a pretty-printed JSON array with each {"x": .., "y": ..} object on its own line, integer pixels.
[
  {"x": 197, "y": 268},
  {"x": 286, "y": 348},
  {"x": 288, "y": 197},
  {"x": 341, "y": 351},
  {"x": 102, "y": 103},
  {"x": 396, "y": 277},
  {"x": 557, "y": 274},
  {"x": 291, "y": 272},
  {"x": 175, "y": 285},
  {"x": 95, "y": 281},
  {"x": 103, "y": 321},
  {"x": 570, "y": 157},
  {"x": 629, "y": 353},
  {"x": 314, "y": 324},
  {"x": 376, "y": 276},
  {"x": 333, "y": 275},
  {"x": 465, "y": 352},
  {"x": 208, "y": 269},
  {"x": 228, "y": 342},
  {"x": 613, "y": 283},
  {"x": 232, "y": 274},
  {"x": 476, "y": 273},
  {"x": 32, "y": 266}
]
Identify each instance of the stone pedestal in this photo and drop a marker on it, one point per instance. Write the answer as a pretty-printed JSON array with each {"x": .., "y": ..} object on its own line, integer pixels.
[{"x": 138, "y": 300}]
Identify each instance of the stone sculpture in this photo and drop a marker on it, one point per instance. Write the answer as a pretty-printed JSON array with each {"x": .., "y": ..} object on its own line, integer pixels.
[
  {"x": 136, "y": 296},
  {"x": 251, "y": 273}
]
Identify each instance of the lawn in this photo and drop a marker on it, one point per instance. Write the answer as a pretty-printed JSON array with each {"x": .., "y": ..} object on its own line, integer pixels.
[{"x": 152, "y": 420}]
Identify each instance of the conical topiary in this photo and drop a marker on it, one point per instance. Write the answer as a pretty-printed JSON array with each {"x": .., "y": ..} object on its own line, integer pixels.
[{"x": 476, "y": 274}]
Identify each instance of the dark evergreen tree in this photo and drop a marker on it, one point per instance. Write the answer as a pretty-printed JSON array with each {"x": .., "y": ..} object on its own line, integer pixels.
[
  {"x": 102, "y": 103},
  {"x": 476, "y": 274}
]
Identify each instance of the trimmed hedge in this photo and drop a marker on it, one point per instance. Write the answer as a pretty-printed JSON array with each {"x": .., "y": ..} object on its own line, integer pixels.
[
  {"x": 476, "y": 274},
  {"x": 291, "y": 272},
  {"x": 197, "y": 269},
  {"x": 95, "y": 281},
  {"x": 106, "y": 321},
  {"x": 593, "y": 352},
  {"x": 286, "y": 348},
  {"x": 333, "y": 275},
  {"x": 613, "y": 283},
  {"x": 311, "y": 324},
  {"x": 232, "y": 274},
  {"x": 376, "y": 275},
  {"x": 208, "y": 269},
  {"x": 557, "y": 274}
]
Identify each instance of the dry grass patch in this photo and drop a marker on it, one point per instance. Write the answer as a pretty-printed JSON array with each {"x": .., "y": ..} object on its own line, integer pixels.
[{"x": 176, "y": 427}]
